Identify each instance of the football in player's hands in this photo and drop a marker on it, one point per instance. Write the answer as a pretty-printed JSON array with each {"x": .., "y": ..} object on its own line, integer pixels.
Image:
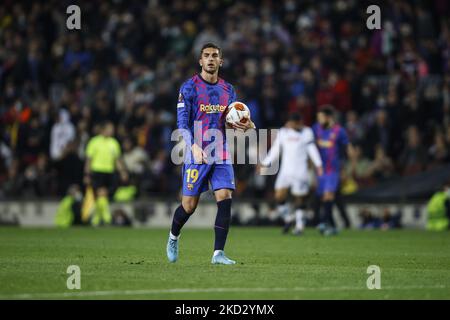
[{"x": 237, "y": 112}]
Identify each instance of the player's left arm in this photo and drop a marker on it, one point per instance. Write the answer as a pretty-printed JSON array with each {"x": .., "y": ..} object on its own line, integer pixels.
[
  {"x": 313, "y": 152},
  {"x": 344, "y": 141},
  {"x": 242, "y": 126},
  {"x": 120, "y": 165}
]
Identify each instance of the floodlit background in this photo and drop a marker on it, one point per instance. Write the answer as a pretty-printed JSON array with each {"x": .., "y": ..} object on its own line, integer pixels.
[{"x": 391, "y": 88}]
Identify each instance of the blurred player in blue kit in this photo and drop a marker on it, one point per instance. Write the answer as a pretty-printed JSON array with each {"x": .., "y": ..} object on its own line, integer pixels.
[{"x": 331, "y": 139}]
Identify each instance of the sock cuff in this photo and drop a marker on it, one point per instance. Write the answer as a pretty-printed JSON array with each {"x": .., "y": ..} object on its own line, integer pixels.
[{"x": 224, "y": 202}]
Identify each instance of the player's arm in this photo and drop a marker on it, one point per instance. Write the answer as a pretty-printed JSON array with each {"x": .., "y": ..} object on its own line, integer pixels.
[
  {"x": 314, "y": 155},
  {"x": 87, "y": 171},
  {"x": 184, "y": 107},
  {"x": 343, "y": 139},
  {"x": 242, "y": 126},
  {"x": 313, "y": 152},
  {"x": 90, "y": 149},
  {"x": 350, "y": 149},
  {"x": 120, "y": 165},
  {"x": 274, "y": 152},
  {"x": 122, "y": 169}
]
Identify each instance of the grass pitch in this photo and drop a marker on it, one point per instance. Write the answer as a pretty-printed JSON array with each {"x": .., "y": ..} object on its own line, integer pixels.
[{"x": 131, "y": 264}]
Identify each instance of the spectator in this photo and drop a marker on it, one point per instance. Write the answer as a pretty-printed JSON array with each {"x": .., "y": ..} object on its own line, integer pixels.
[
  {"x": 280, "y": 59},
  {"x": 438, "y": 153},
  {"x": 63, "y": 132},
  {"x": 413, "y": 156},
  {"x": 136, "y": 160},
  {"x": 357, "y": 167},
  {"x": 301, "y": 105},
  {"x": 378, "y": 133},
  {"x": 382, "y": 167},
  {"x": 354, "y": 127}
]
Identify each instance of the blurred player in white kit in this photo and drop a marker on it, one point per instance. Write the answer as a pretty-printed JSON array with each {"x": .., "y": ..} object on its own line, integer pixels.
[{"x": 295, "y": 144}]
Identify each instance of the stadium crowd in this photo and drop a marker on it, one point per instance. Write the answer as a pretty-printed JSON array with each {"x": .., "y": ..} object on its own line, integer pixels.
[{"x": 390, "y": 87}]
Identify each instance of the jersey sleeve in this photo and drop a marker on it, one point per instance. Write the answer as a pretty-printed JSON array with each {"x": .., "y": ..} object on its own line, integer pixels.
[
  {"x": 274, "y": 151},
  {"x": 233, "y": 96},
  {"x": 309, "y": 136},
  {"x": 184, "y": 107},
  {"x": 311, "y": 148}
]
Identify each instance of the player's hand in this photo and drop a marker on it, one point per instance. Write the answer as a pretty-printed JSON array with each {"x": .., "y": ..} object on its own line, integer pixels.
[
  {"x": 124, "y": 176},
  {"x": 319, "y": 171},
  {"x": 199, "y": 155},
  {"x": 243, "y": 126}
]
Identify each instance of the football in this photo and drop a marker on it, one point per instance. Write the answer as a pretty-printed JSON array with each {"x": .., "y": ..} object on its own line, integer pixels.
[{"x": 237, "y": 112}]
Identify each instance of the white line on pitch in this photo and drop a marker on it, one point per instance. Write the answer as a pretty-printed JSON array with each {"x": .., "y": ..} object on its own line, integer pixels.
[{"x": 197, "y": 290}]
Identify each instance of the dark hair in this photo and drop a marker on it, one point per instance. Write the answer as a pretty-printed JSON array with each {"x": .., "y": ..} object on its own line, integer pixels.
[
  {"x": 105, "y": 123},
  {"x": 211, "y": 45},
  {"x": 295, "y": 116},
  {"x": 327, "y": 109}
]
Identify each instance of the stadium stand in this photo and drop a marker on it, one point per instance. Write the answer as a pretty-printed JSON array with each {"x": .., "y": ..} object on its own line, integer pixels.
[{"x": 391, "y": 87}]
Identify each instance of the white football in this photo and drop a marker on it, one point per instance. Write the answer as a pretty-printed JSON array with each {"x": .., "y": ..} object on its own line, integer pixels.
[{"x": 237, "y": 112}]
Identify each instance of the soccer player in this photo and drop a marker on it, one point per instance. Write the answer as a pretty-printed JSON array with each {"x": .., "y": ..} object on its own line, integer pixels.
[
  {"x": 202, "y": 102},
  {"x": 102, "y": 158},
  {"x": 295, "y": 143},
  {"x": 331, "y": 139}
]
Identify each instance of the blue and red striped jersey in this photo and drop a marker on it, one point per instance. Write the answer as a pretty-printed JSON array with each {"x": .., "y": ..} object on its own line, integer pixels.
[
  {"x": 330, "y": 142},
  {"x": 205, "y": 103}
]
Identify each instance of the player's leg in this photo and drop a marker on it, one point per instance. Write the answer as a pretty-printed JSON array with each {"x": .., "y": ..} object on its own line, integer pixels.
[
  {"x": 102, "y": 212},
  {"x": 283, "y": 211},
  {"x": 300, "y": 210},
  {"x": 300, "y": 190},
  {"x": 328, "y": 198},
  {"x": 341, "y": 206},
  {"x": 195, "y": 181},
  {"x": 182, "y": 214},
  {"x": 222, "y": 182}
]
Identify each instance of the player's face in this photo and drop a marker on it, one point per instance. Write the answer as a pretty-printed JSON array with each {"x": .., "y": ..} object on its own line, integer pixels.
[
  {"x": 322, "y": 118},
  {"x": 109, "y": 130},
  {"x": 210, "y": 60}
]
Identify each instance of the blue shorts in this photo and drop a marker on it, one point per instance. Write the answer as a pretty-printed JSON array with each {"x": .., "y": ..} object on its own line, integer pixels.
[
  {"x": 196, "y": 178},
  {"x": 328, "y": 182}
]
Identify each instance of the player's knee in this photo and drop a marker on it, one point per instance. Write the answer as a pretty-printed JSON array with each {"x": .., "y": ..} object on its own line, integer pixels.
[
  {"x": 300, "y": 204},
  {"x": 223, "y": 194},
  {"x": 189, "y": 206}
]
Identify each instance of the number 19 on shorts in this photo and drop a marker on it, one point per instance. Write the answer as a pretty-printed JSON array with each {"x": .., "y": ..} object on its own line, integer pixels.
[{"x": 192, "y": 175}]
